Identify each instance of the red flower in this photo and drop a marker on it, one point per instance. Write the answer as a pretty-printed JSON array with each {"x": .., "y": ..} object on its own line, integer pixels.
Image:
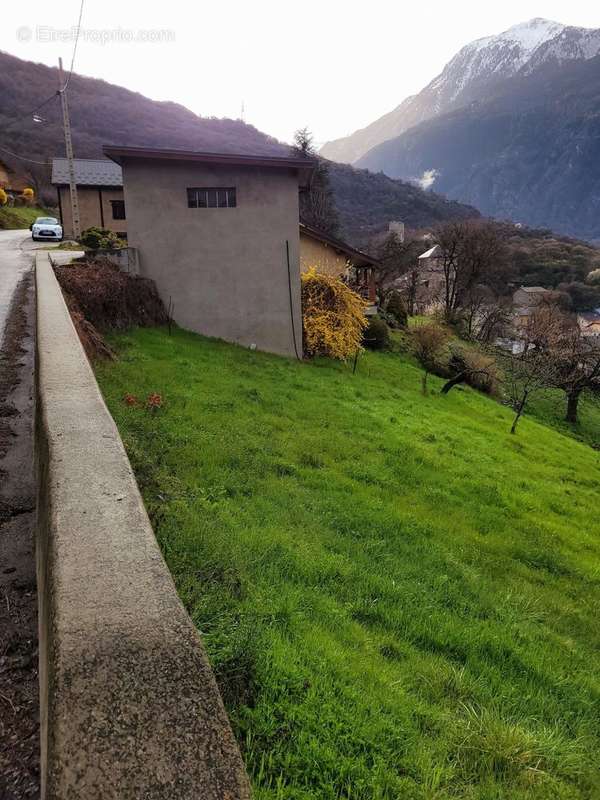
[{"x": 154, "y": 401}]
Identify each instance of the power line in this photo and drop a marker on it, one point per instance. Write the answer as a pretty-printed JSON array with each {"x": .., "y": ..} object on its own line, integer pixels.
[
  {"x": 19, "y": 119},
  {"x": 30, "y": 160},
  {"x": 32, "y": 112},
  {"x": 60, "y": 91},
  {"x": 64, "y": 88}
]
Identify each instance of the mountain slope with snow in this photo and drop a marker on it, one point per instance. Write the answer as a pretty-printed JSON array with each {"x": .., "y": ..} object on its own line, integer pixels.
[
  {"x": 529, "y": 152},
  {"x": 474, "y": 72}
]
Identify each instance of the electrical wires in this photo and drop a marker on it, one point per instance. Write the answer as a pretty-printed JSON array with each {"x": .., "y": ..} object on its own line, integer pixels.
[
  {"x": 64, "y": 88},
  {"x": 22, "y": 158}
]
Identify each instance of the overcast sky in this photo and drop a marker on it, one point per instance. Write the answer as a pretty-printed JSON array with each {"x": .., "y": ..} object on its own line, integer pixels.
[{"x": 331, "y": 65}]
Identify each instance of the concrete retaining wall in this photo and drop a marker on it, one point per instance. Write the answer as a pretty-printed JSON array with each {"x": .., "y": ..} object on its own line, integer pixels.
[
  {"x": 129, "y": 704},
  {"x": 125, "y": 258}
]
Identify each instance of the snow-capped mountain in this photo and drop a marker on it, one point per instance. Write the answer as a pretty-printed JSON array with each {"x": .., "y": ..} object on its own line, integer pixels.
[{"x": 470, "y": 76}]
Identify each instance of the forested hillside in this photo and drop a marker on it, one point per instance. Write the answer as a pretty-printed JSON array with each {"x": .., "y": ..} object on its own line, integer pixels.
[{"x": 105, "y": 114}]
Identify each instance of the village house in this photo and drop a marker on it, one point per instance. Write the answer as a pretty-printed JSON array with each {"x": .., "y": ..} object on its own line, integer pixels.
[
  {"x": 431, "y": 271},
  {"x": 219, "y": 235},
  {"x": 425, "y": 281},
  {"x": 526, "y": 299},
  {"x": 215, "y": 251},
  {"x": 589, "y": 323},
  {"x": 334, "y": 257},
  {"x": 529, "y": 296},
  {"x": 99, "y": 194}
]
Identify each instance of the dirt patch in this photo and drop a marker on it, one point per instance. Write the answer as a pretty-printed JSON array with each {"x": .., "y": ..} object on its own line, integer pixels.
[
  {"x": 101, "y": 298},
  {"x": 19, "y": 690}
]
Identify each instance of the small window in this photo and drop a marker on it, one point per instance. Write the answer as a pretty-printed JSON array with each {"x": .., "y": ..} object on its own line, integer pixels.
[
  {"x": 118, "y": 209},
  {"x": 212, "y": 197}
]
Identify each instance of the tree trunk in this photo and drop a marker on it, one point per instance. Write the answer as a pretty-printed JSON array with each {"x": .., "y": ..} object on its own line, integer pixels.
[
  {"x": 460, "y": 378},
  {"x": 424, "y": 382},
  {"x": 572, "y": 405},
  {"x": 519, "y": 412}
]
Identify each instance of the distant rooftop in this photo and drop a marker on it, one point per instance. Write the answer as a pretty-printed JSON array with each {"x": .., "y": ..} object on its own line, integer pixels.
[
  {"x": 432, "y": 252},
  {"x": 534, "y": 289},
  {"x": 88, "y": 172}
]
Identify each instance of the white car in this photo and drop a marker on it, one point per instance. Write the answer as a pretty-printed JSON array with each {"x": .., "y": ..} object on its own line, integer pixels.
[{"x": 46, "y": 228}]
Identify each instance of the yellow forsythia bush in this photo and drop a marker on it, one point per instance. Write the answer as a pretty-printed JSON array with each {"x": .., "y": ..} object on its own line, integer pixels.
[
  {"x": 28, "y": 194},
  {"x": 333, "y": 317},
  {"x": 3, "y": 197}
]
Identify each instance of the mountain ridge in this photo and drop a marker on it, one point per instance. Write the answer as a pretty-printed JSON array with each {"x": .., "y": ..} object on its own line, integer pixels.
[
  {"x": 475, "y": 69},
  {"x": 530, "y": 152}
]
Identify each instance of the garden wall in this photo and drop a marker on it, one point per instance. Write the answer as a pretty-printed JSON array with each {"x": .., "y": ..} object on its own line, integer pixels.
[{"x": 129, "y": 704}]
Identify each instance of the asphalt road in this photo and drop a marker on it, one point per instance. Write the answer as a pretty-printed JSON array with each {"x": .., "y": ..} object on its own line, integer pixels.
[
  {"x": 16, "y": 257},
  {"x": 19, "y": 690}
]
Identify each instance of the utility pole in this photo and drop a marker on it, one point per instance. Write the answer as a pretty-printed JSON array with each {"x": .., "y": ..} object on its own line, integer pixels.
[{"x": 69, "y": 149}]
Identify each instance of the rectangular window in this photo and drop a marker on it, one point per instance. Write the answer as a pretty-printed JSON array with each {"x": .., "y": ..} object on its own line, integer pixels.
[
  {"x": 118, "y": 209},
  {"x": 212, "y": 197}
]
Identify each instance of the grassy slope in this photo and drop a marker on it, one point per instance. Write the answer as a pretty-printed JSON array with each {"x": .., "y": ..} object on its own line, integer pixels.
[
  {"x": 400, "y": 599},
  {"x": 18, "y": 217},
  {"x": 550, "y": 407}
]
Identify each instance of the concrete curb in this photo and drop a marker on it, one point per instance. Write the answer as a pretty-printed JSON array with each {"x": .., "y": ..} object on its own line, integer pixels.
[{"x": 129, "y": 705}]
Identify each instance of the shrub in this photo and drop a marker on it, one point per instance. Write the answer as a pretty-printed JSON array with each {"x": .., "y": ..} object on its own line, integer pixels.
[
  {"x": 474, "y": 368},
  {"x": 28, "y": 195},
  {"x": 396, "y": 309},
  {"x": 332, "y": 316},
  {"x": 483, "y": 372},
  {"x": 429, "y": 341},
  {"x": 101, "y": 239},
  {"x": 3, "y": 197},
  {"x": 377, "y": 334}
]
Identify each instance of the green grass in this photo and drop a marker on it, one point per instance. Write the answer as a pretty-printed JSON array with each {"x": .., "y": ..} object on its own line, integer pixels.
[
  {"x": 399, "y": 598},
  {"x": 550, "y": 407},
  {"x": 21, "y": 217}
]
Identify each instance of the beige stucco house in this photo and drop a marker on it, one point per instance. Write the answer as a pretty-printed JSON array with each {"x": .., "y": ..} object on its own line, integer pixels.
[
  {"x": 334, "y": 257},
  {"x": 99, "y": 194},
  {"x": 219, "y": 235}
]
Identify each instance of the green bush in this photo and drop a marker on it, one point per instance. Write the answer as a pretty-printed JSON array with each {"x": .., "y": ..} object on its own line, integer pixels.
[
  {"x": 396, "y": 309},
  {"x": 376, "y": 335},
  {"x": 101, "y": 239}
]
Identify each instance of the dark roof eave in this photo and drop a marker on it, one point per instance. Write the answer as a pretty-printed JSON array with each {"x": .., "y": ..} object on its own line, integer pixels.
[
  {"x": 305, "y": 166},
  {"x": 337, "y": 244}
]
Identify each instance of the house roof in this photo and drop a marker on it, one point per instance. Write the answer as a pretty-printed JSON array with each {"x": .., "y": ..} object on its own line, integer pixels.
[
  {"x": 88, "y": 172},
  {"x": 588, "y": 318},
  {"x": 358, "y": 258},
  {"x": 303, "y": 165},
  {"x": 533, "y": 289},
  {"x": 433, "y": 251}
]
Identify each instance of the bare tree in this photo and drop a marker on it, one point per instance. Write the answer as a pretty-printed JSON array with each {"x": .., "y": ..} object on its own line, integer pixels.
[
  {"x": 494, "y": 321},
  {"x": 429, "y": 342},
  {"x": 472, "y": 253},
  {"x": 576, "y": 363},
  {"x": 531, "y": 369},
  {"x": 411, "y": 287}
]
